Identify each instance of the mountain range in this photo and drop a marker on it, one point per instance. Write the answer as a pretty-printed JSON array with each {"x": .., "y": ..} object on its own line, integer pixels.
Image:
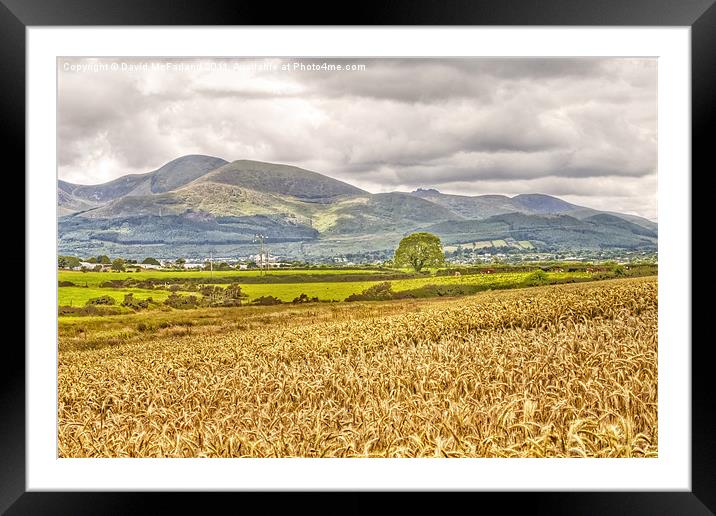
[{"x": 196, "y": 204}]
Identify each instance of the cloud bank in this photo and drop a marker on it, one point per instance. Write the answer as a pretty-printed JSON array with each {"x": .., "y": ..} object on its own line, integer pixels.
[{"x": 584, "y": 129}]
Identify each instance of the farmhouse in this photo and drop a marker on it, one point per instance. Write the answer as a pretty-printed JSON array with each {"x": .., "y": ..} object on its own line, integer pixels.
[
  {"x": 90, "y": 266},
  {"x": 148, "y": 266}
]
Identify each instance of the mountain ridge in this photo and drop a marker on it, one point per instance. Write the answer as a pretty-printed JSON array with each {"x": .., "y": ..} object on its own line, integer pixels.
[{"x": 211, "y": 201}]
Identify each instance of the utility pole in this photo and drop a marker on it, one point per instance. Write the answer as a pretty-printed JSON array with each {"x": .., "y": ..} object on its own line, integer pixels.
[
  {"x": 211, "y": 264},
  {"x": 261, "y": 253},
  {"x": 264, "y": 258}
]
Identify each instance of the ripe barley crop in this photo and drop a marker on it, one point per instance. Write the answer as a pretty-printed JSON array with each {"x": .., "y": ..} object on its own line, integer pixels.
[{"x": 559, "y": 371}]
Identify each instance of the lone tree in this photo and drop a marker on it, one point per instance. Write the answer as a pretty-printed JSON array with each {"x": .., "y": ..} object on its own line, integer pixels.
[
  {"x": 118, "y": 265},
  {"x": 420, "y": 250},
  {"x": 68, "y": 262}
]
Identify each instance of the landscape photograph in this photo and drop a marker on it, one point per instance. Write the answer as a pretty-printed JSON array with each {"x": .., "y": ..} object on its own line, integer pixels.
[{"x": 357, "y": 257}]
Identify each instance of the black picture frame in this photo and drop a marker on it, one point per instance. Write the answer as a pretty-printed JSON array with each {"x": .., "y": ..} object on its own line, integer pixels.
[{"x": 17, "y": 15}]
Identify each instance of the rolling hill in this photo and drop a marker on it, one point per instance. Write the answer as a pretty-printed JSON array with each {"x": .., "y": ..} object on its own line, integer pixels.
[
  {"x": 174, "y": 174},
  {"x": 550, "y": 231},
  {"x": 195, "y": 203},
  {"x": 483, "y": 206}
]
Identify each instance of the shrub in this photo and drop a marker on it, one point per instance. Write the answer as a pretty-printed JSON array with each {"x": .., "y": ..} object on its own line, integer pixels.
[
  {"x": 117, "y": 283},
  {"x": 439, "y": 291},
  {"x": 135, "y": 304},
  {"x": 538, "y": 277},
  {"x": 379, "y": 292},
  {"x": 303, "y": 298},
  {"x": 176, "y": 301},
  {"x": 217, "y": 296},
  {"x": 603, "y": 275},
  {"x": 233, "y": 291},
  {"x": 101, "y": 300},
  {"x": 88, "y": 310},
  {"x": 227, "y": 303},
  {"x": 66, "y": 284},
  {"x": 267, "y": 300}
]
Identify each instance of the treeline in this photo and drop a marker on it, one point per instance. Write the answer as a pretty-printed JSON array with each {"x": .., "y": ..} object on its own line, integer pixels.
[
  {"x": 631, "y": 269},
  {"x": 209, "y": 296},
  {"x": 97, "y": 263},
  {"x": 192, "y": 284},
  {"x": 384, "y": 291}
]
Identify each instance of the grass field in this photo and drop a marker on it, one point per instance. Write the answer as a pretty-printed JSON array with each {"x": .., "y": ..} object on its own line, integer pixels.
[
  {"x": 327, "y": 291},
  {"x": 554, "y": 371},
  {"x": 339, "y": 291},
  {"x": 78, "y": 296},
  {"x": 94, "y": 279}
]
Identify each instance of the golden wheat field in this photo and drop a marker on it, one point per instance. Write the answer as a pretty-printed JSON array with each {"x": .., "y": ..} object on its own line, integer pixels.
[{"x": 558, "y": 371}]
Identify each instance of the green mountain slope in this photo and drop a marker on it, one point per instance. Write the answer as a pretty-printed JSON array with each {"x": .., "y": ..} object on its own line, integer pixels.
[
  {"x": 484, "y": 206},
  {"x": 281, "y": 180},
  {"x": 196, "y": 202},
  {"x": 170, "y": 176},
  {"x": 553, "y": 232}
]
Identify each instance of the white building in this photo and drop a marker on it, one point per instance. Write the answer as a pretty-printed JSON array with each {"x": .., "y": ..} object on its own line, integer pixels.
[
  {"x": 266, "y": 258},
  {"x": 87, "y": 265},
  {"x": 148, "y": 265}
]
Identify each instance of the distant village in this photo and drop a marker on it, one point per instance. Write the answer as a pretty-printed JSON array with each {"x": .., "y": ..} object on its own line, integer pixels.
[
  {"x": 454, "y": 255},
  {"x": 105, "y": 264}
]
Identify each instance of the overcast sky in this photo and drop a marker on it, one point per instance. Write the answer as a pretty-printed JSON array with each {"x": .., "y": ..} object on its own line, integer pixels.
[{"x": 581, "y": 129}]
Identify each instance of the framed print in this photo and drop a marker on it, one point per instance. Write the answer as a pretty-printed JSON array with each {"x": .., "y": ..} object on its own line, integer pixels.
[{"x": 418, "y": 252}]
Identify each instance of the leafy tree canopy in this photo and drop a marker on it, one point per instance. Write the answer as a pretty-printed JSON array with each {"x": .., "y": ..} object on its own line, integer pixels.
[
  {"x": 68, "y": 262},
  {"x": 420, "y": 250},
  {"x": 151, "y": 261}
]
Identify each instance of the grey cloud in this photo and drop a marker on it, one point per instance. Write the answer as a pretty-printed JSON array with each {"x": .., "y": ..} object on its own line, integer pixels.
[{"x": 401, "y": 123}]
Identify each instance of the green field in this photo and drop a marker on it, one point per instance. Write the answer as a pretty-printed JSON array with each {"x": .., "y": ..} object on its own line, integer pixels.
[
  {"x": 94, "y": 279},
  {"x": 78, "y": 296},
  {"x": 325, "y": 291},
  {"x": 340, "y": 290}
]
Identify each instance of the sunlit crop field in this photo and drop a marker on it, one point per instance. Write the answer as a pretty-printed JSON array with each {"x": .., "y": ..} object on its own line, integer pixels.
[{"x": 556, "y": 371}]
